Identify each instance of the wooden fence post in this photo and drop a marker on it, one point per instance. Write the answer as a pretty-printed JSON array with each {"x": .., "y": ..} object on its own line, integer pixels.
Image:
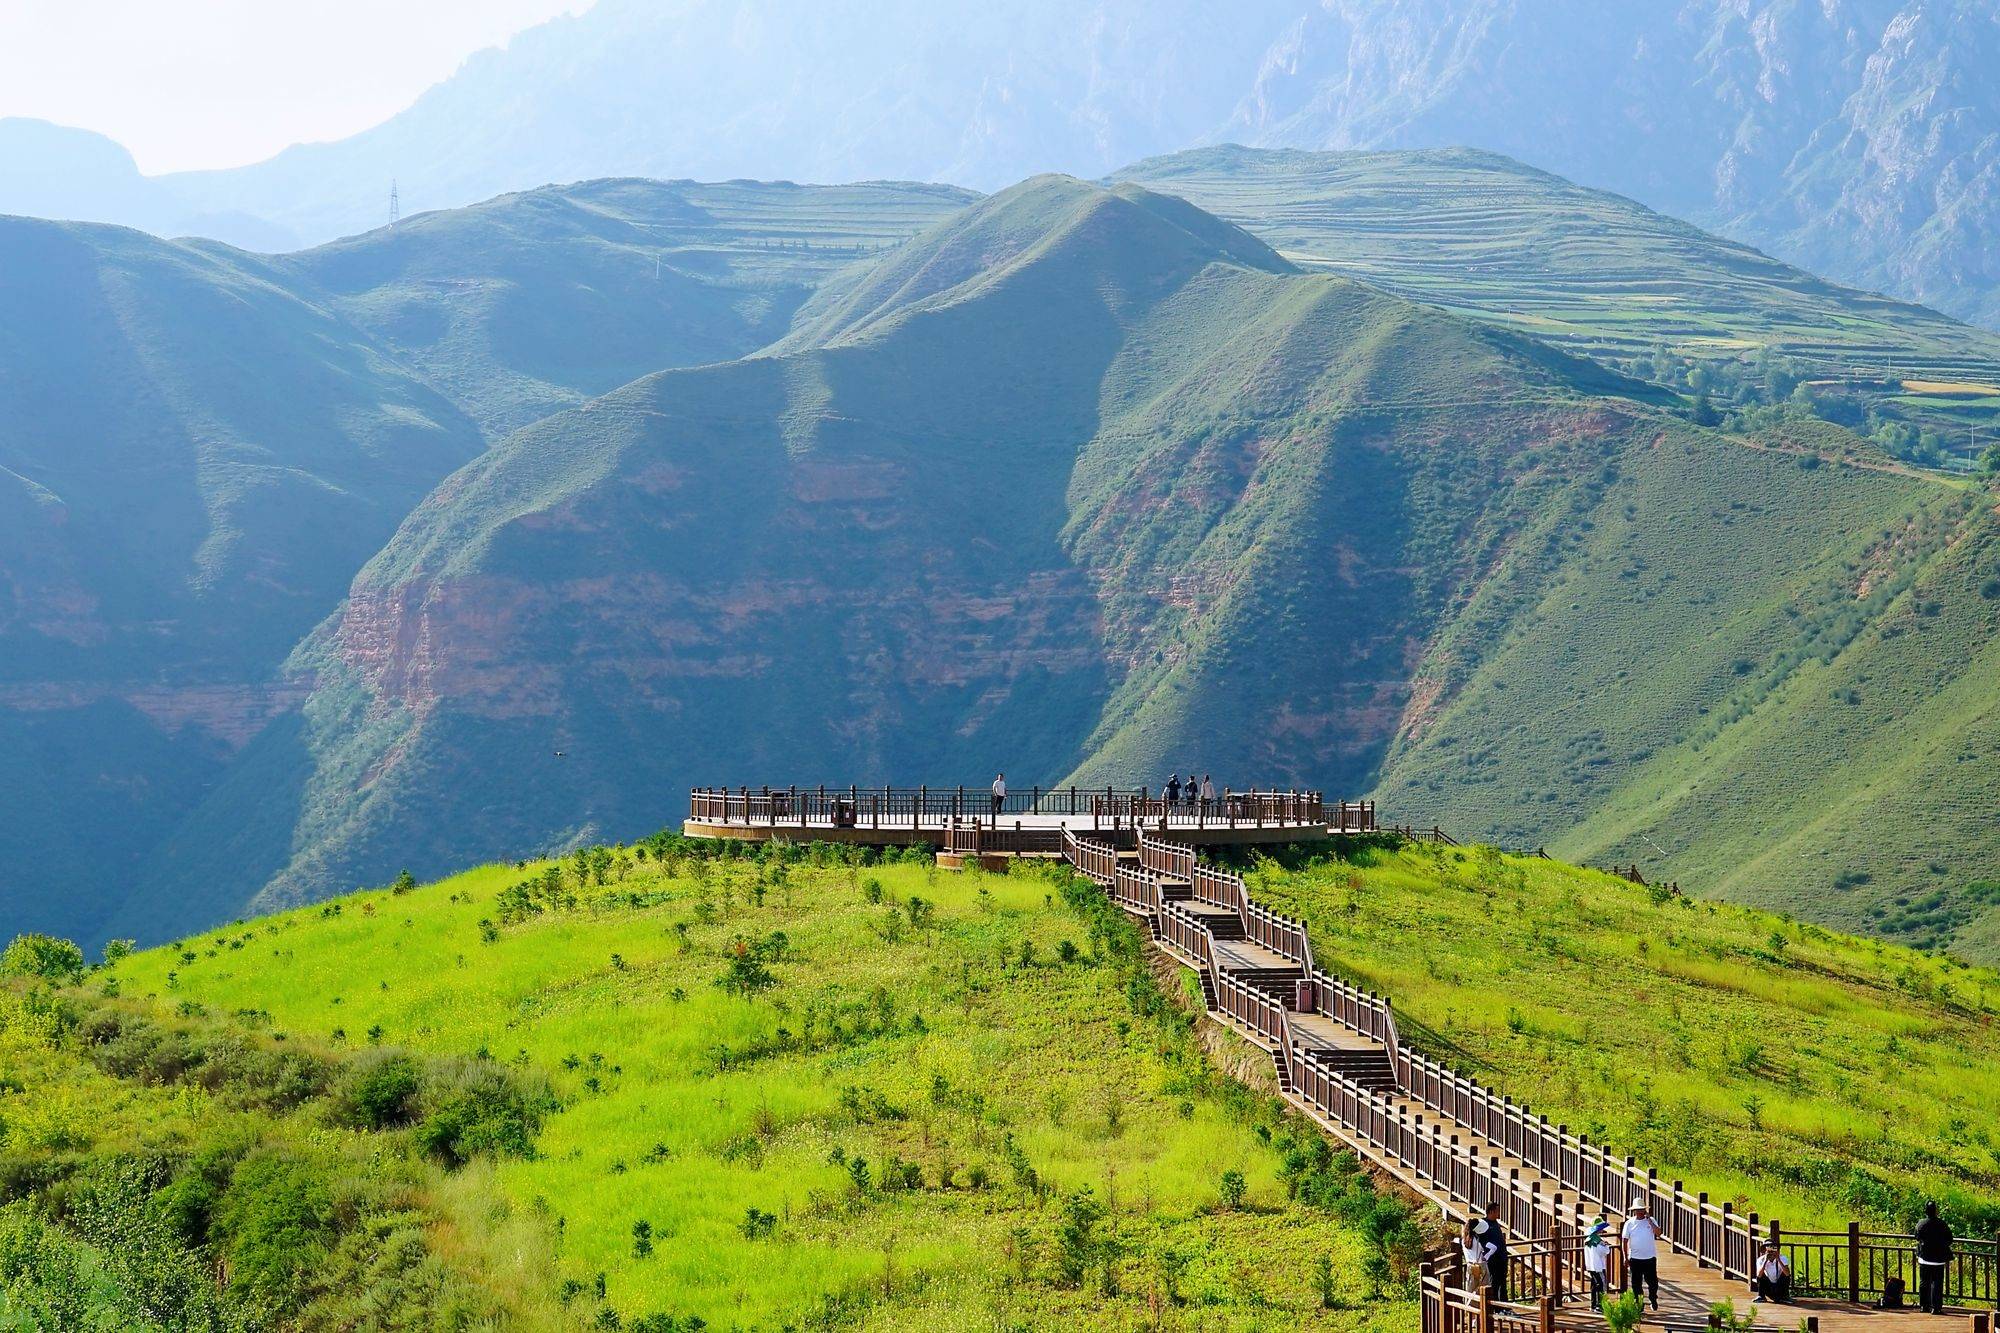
[
  {"x": 1854, "y": 1263},
  {"x": 1545, "y": 1315}
]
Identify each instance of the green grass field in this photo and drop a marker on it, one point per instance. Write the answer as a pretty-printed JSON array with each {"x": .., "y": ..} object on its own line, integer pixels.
[
  {"x": 886, "y": 1124},
  {"x": 1806, "y": 1074}
]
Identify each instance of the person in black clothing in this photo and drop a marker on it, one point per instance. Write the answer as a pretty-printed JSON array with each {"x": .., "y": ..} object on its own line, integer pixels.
[
  {"x": 1174, "y": 790},
  {"x": 1933, "y": 1256},
  {"x": 1495, "y": 1238}
]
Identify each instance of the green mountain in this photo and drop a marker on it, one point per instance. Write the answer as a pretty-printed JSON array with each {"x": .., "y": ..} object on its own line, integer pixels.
[
  {"x": 1042, "y": 486},
  {"x": 529, "y": 303},
  {"x": 1094, "y": 487},
  {"x": 1592, "y": 272},
  {"x": 1083, "y": 482},
  {"x": 199, "y": 448}
]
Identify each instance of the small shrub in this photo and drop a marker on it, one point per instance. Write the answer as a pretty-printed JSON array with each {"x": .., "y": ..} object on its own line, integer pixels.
[
  {"x": 42, "y": 956},
  {"x": 274, "y": 1222},
  {"x": 1621, "y": 1312},
  {"x": 1233, "y": 1187},
  {"x": 472, "y": 1107},
  {"x": 379, "y": 1090}
]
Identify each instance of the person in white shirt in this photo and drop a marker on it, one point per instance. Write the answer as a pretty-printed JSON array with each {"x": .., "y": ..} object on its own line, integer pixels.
[
  {"x": 1642, "y": 1251},
  {"x": 1473, "y": 1248},
  {"x": 1774, "y": 1275},
  {"x": 999, "y": 793},
  {"x": 1597, "y": 1257}
]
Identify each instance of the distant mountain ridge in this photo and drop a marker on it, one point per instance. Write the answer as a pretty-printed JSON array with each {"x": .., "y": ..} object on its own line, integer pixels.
[{"x": 1859, "y": 138}]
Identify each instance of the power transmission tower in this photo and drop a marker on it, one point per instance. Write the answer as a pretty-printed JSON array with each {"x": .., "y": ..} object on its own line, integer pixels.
[{"x": 395, "y": 206}]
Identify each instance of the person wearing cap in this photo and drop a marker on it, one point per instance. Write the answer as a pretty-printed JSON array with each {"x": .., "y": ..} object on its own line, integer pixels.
[
  {"x": 1642, "y": 1251},
  {"x": 1933, "y": 1240},
  {"x": 1597, "y": 1257},
  {"x": 1774, "y": 1275}
]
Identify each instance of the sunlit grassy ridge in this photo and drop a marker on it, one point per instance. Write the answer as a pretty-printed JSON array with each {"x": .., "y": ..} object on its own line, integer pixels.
[
  {"x": 953, "y": 1033},
  {"x": 1809, "y": 1075}
]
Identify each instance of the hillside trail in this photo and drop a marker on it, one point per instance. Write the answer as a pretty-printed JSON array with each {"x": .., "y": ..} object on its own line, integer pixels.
[{"x": 1339, "y": 1062}]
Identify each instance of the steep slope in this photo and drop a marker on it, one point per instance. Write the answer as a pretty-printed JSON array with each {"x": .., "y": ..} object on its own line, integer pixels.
[
  {"x": 1592, "y": 272},
  {"x": 1087, "y": 484},
  {"x": 529, "y": 303},
  {"x": 194, "y": 461}
]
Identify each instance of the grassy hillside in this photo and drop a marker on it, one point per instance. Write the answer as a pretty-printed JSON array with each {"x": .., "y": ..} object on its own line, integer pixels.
[
  {"x": 533, "y": 302},
  {"x": 1589, "y": 271},
  {"x": 1089, "y": 486},
  {"x": 1772, "y": 681},
  {"x": 835, "y": 1095},
  {"x": 1808, "y": 1074},
  {"x": 851, "y": 1095}
]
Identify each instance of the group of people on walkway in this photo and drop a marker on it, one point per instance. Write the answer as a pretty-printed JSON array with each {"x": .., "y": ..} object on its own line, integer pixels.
[
  {"x": 1483, "y": 1245},
  {"x": 1194, "y": 794}
]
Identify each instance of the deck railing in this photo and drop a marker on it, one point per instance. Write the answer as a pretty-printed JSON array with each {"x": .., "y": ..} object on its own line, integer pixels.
[
  {"x": 1857, "y": 1265},
  {"x": 919, "y": 808},
  {"x": 978, "y": 837}
]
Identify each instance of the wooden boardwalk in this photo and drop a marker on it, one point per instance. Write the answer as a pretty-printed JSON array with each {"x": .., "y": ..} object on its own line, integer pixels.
[
  {"x": 968, "y": 821},
  {"x": 1339, "y": 1060}
]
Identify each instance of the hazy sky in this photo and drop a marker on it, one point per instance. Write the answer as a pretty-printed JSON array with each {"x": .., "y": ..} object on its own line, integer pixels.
[{"x": 217, "y": 83}]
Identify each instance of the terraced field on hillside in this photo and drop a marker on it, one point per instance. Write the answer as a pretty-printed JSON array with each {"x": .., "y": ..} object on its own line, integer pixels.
[{"x": 1592, "y": 272}]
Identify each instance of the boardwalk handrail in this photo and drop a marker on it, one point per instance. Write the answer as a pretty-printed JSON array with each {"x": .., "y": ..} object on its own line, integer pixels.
[
  {"x": 1097, "y": 860},
  {"x": 1856, "y": 1265}
]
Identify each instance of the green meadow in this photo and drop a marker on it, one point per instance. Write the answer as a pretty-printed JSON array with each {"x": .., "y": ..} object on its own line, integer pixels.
[
  {"x": 1809, "y": 1075},
  {"x": 668, "y": 1087},
  {"x": 781, "y": 1094}
]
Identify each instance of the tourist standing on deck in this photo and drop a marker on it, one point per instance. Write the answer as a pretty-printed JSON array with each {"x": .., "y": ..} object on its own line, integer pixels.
[
  {"x": 1597, "y": 1257},
  {"x": 1642, "y": 1251},
  {"x": 999, "y": 793},
  {"x": 1208, "y": 793},
  {"x": 1495, "y": 1238},
  {"x": 1933, "y": 1255},
  {"x": 1173, "y": 791}
]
